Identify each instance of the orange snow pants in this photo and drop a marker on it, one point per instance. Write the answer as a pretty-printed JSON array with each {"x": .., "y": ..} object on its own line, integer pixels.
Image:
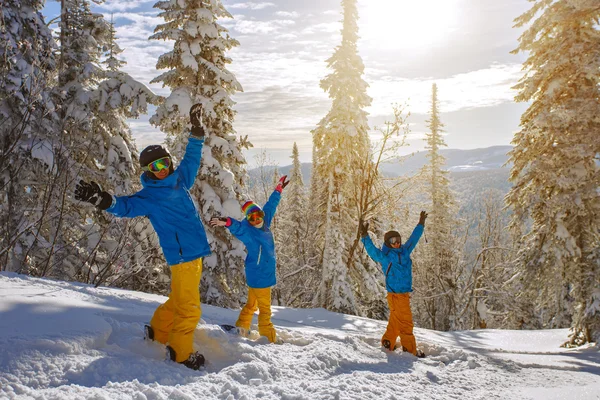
[
  {"x": 258, "y": 299},
  {"x": 174, "y": 322},
  {"x": 400, "y": 322}
]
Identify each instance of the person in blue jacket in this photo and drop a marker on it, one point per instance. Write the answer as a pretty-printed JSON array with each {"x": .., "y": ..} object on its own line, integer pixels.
[
  {"x": 254, "y": 231},
  {"x": 394, "y": 258},
  {"x": 165, "y": 199}
]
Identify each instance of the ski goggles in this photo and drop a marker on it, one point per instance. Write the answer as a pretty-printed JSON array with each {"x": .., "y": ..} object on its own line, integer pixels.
[
  {"x": 394, "y": 240},
  {"x": 158, "y": 165},
  {"x": 256, "y": 217}
]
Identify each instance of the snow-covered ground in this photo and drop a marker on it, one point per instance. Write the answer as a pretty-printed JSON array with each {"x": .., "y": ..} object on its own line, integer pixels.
[{"x": 61, "y": 340}]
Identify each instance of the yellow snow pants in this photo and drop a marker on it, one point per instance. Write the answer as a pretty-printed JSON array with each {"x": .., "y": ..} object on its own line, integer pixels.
[
  {"x": 174, "y": 322},
  {"x": 400, "y": 322},
  {"x": 258, "y": 299}
]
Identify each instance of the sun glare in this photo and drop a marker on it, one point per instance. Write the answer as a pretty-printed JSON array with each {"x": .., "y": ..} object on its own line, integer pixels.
[{"x": 406, "y": 24}]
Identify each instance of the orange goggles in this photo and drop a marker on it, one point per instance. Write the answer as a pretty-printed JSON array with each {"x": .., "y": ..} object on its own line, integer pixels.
[
  {"x": 158, "y": 165},
  {"x": 256, "y": 217}
]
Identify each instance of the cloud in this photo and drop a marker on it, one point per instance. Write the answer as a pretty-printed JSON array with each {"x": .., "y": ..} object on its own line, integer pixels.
[
  {"x": 481, "y": 88},
  {"x": 250, "y": 5},
  {"x": 287, "y": 14},
  {"x": 120, "y": 5},
  {"x": 260, "y": 27}
]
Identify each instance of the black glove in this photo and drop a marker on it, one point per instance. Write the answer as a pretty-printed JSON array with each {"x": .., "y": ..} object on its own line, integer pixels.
[
  {"x": 196, "y": 120},
  {"x": 364, "y": 228},
  {"x": 422, "y": 218},
  {"x": 92, "y": 193}
]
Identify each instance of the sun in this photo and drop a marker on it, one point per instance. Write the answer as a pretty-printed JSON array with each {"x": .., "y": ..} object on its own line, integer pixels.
[{"x": 406, "y": 24}]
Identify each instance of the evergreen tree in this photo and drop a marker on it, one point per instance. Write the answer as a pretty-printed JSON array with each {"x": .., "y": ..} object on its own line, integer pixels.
[
  {"x": 296, "y": 278},
  {"x": 197, "y": 73},
  {"x": 27, "y": 69},
  {"x": 437, "y": 272},
  {"x": 132, "y": 258},
  {"x": 556, "y": 173},
  {"x": 340, "y": 143}
]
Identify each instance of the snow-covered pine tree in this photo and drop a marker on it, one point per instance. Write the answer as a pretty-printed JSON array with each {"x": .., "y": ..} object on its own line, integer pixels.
[
  {"x": 436, "y": 275},
  {"x": 129, "y": 250},
  {"x": 340, "y": 143},
  {"x": 296, "y": 278},
  {"x": 556, "y": 168},
  {"x": 197, "y": 73},
  {"x": 27, "y": 68}
]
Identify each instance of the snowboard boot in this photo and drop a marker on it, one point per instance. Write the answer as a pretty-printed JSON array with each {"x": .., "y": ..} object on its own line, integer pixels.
[
  {"x": 194, "y": 361},
  {"x": 387, "y": 345},
  {"x": 419, "y": 354},
  {"x": 148, "y": 333}
]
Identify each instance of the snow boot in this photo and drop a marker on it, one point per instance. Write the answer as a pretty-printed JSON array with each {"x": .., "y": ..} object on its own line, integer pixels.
[
  {"x": 235, "y": 330},
  {"x": 148, "y": 333},
  {"x": 194, "y": 361},
  {"x": 386, "y": 344},
  {"x": 419, "y": 354}
]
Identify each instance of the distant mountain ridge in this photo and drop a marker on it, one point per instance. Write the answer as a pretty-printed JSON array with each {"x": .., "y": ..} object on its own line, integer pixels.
[{"x": 483, "y": 159}]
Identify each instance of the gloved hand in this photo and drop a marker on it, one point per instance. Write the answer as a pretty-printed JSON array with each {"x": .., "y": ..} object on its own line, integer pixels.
[
  {"x": 219, "y": 221},
  {"x": 364, "y": 228},
  {"x": 282, "y": 184},
  {"x": 422, "y": 218},
  {"x": 196, "y": 120},
  {"x": 92, "y": 193}
]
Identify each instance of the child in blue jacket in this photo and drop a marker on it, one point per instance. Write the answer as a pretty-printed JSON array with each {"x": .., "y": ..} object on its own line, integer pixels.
[
  {"x": 254, "y": 232},
  {"x": 165, "y": 199},
  {"x": 394, "y": 258}
]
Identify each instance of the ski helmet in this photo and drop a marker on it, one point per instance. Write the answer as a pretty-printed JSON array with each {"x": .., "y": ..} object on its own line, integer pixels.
[
  {"x": 390, "y": 234},
  {"x": 153, "y": 153}
]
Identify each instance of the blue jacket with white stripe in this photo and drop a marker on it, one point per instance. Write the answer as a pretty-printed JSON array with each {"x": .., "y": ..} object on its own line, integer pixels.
[{"x": 260, "y": 260}]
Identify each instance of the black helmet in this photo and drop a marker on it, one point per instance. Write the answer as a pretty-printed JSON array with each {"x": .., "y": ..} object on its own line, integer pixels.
[
  {"x": 152, "y": 153},
  {"x": 390, "y": 234}
]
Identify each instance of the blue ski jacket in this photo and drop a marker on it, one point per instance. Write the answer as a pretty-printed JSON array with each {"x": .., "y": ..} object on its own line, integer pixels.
[
  {"x": 171, "y": 209},
  {"x": 260, "y": 260},
  {"x": 396, "y": 263}
]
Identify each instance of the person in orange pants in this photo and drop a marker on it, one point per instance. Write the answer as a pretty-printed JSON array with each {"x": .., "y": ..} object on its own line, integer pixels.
[
  {"x": 395, "y": 261},
  {"x": 165, "y": 199},
  {"x": 260, "y": 262}
]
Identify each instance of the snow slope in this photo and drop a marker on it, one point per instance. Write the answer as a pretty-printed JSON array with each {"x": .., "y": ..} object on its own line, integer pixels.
[{"x": 62, "y": 340}]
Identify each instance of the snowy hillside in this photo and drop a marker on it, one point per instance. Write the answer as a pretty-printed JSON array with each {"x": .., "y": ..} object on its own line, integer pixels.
[{"x": 72, "y": 341}]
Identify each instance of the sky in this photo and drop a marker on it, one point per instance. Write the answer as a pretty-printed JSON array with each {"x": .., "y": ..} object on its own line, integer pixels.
[
  {"x": 462, "y": 45},
  {"x": 68, "y": 341}
]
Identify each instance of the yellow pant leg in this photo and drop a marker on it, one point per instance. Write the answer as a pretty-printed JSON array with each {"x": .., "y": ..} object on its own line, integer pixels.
[
  {"x": 245, "y": 318},
  {"x": 185, "y": 292},
  {"x": 393, "y": 327},
  {"x": 407, "y": 338},
  {"x": 162, "y": 320},
  {"x": 265, "y": 326}
]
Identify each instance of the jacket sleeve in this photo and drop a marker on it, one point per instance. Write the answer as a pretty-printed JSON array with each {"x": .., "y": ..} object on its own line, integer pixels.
[
  {"x": 372, "y": 251},
  {"x": 237, "y": 229},
  {"x": 129, "y": 206},
  {"x": 271, "y": 207},
  {"x": 188, "y": 168},
  {"x": 414, "y": 238}
]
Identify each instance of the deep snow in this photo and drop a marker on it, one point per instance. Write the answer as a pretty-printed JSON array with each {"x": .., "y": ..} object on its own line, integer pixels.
[{"x": 62, "y": 340}]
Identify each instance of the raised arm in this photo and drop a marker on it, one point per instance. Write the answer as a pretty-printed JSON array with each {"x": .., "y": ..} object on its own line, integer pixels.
[
  {"x": 372, "y": 250},
  {"x": 271, "y": 206},
  {"x": 412, "y": 241},
  {"x": 188, "y": 167}
]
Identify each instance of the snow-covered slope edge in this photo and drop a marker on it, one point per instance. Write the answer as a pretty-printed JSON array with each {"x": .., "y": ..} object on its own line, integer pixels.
[{"x": 62, "y": 340}]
